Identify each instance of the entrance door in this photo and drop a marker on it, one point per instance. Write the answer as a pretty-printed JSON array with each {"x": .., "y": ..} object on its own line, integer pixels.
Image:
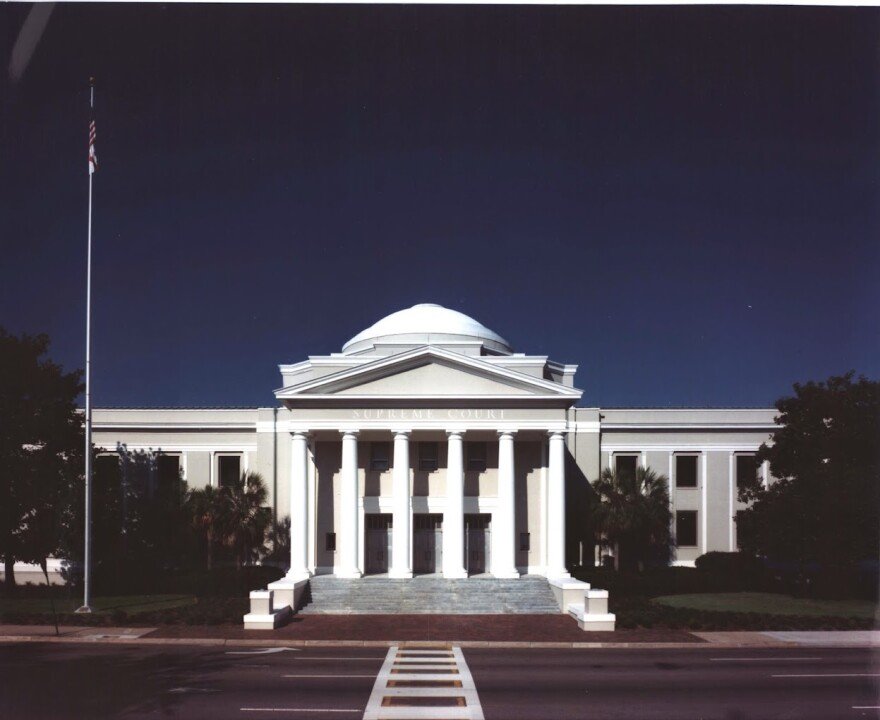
[
  {"x": 377, "y": 548},
  {"x": 427, "y": 544},
  {"x": 477, "y": 543}
]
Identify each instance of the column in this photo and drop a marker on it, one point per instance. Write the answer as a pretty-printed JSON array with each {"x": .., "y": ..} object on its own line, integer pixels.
[
  {"x": 504, "y": 520},
  {"x": 347, "y": 566},
  {"x": 453, "y": 515},
  {"x": 401, "y": 532},
  {"x": 299, "y": 516},
  {"x": 556, "y": 507}
]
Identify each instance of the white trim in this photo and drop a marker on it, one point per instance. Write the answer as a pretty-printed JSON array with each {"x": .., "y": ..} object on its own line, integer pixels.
[
  {"x": 680, "y": 447},
  {"x": 705, "y": 426},
  {"x": 375, "y": 369},
  {"x": 731, "y": 477},
  {"x": 704, "y": 492},
  {"x": 438, "y": 424},
  {"x": 156, "y": 426},
  {"x": 159, "y": 447}
]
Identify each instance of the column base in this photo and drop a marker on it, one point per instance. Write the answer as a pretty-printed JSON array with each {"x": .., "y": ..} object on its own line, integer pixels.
[
  {"x": 455, "y": 574},
  {"x": 511, "y": 574},
  {"x": 348, "y": 574},
  {"x": 400, "y": 574}
]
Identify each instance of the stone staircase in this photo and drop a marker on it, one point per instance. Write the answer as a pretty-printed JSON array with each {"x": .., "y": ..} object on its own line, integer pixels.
[{"x": 429, "y": 594}]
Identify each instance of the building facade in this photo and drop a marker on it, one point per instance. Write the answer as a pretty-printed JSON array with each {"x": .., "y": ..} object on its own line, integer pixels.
[{"x": 427, "y": 445}]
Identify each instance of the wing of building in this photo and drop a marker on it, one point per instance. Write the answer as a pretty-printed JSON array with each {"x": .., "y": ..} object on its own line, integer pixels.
[{"x": 427, "y": 445}]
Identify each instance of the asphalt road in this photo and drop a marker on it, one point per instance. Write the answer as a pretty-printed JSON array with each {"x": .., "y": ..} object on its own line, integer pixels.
[{"x": 59, "y": 681}]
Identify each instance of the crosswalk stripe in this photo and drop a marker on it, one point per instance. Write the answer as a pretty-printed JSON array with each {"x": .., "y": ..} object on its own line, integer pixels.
[{"x": 437, "y": 688}]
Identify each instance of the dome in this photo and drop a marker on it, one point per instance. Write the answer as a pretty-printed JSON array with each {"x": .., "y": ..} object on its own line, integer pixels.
[{"x": 427, "y": 324}]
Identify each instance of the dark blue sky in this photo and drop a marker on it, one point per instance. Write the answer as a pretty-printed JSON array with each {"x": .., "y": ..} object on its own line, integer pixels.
[{"x": 683, "y": 201}]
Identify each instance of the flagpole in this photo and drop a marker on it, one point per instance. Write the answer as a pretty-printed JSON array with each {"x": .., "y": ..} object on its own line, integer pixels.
[{"x": 87, "y": 556}]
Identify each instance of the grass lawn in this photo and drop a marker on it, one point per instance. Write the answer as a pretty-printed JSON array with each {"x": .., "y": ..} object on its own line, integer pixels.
[
  {"x": 770, "y": 604},
  {"x": 130, "y": 604}
]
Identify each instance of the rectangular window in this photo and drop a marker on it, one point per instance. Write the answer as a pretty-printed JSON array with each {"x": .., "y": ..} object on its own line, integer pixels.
[
  {"x": 625, "y": 466},
  {"x": 525, "y": 542},
  {"x": 168, "y": 477},
  {"x": 107, "y": 473},
  {"x": 330, "y": 542},
  {"x": 380, "y": 452},
  {"x": 228, "y": 470},
  {"x": 686, "y": 528},
  {"x": 746, "y": 469},
  {"x": 428, "y": 456},
  {"x": 686, "y": 471},
  {"x": 476, "y": 456}
]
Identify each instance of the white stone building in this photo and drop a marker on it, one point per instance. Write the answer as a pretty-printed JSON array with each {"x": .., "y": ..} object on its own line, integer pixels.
[{"x": 429, "y": 446}]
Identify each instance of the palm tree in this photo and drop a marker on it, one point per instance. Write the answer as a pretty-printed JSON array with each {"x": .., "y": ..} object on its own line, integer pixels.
[
  {"x": 632, "y": 515},
  {"x": 207, "y": 511},
  {"x": 246, "y": 519}
]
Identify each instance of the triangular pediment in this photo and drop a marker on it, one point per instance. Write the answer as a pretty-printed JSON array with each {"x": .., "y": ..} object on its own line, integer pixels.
[{"x": 428, "y": 373}]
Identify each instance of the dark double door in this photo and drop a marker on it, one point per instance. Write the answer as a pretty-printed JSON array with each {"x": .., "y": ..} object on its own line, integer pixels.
[
  {"x": 377, "y": 553},
  {"x": 427, "y": 544},
  {"x": 477, "y": 543}
]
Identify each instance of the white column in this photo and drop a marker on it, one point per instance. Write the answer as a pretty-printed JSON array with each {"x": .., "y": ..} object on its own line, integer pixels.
[
  {"x": 348, "y": 511},
  {"x": 402, "y": 531},
  {"x": 453, "y": 515},
  {"x": 556, "y": 508},
  {"x": 299, "y": 502},
  {"x": 504, "y": 520}
]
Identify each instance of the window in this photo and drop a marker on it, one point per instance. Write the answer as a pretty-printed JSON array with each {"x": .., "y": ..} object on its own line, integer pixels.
[
  {"x": 746, "y": 469},
  {"x": 428, "y": 456},
  {"x": 106, "y": 474},
  {"x": 525, "y": 542},
  {"x": 686, "y": 528},
  {"x": 168, "y": 477},
  {"x": 330, "y": 542},
  {"x": 625, "y": 466},
  {"x": 476, "y": 456},
  {"x": 379, "y": 456},
  {"x": 228, "y": 470},
  {"x": 686, "y": 471}
]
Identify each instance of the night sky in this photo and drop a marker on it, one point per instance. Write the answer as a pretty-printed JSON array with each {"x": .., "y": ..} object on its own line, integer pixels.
[{"x": 681, "y": 200}]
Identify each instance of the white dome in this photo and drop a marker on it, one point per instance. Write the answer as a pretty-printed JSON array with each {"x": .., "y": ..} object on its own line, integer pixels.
[{"x": 427, "y": 324}]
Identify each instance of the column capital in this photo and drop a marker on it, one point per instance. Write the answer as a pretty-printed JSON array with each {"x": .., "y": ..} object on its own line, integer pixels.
[
  {"x": 300, "y": 433},
  {"x": 511, "y": 433},
  {"x": 352, "y": 431},
  {"x": 401, "y": 432},
  {"x": 455, "y": 431},
  {"x": 558, "y": 433}
]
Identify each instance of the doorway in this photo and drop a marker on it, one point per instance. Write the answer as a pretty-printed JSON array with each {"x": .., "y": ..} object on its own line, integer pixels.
[
  {"x": 477, "y": 543},
  {"x": 377, "y": 548},
  {"x": 427, "y": 544}
]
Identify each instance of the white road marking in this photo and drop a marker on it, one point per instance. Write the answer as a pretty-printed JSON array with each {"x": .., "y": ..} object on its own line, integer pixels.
[
  {"x": 763, "y": 659},
  {"x": 402, "y": 673},
  {"x": 829, "y": 675},
  {"x": 329, "y": 676},
  {"x": 308, "y": 710},
  {"x": 266, "y": 651},
  {"x": 321, "y": 657}
]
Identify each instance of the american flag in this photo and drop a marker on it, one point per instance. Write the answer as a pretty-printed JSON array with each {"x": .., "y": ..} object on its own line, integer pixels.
[{"x": 93, "y": 159}]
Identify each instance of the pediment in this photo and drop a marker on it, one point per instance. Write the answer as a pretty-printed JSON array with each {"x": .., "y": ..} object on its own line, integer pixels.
[{"x": 428, "y": 373}]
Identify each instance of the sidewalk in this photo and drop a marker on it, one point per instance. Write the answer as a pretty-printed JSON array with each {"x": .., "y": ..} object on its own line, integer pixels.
[{"x": 550, "y": 631}]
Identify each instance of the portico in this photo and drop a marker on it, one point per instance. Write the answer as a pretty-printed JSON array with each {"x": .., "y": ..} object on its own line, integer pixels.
[{"x": 427, "y": 446}]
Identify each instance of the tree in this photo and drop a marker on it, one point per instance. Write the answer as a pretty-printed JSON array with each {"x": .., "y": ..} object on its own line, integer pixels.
[
  {"x": 206, "y": 509},
  {"x": 825, "y": 503},
  {"x": 41, "y": 449},
  {"x": 245, "y": 517},
  {"x": 632, "y": 515}
]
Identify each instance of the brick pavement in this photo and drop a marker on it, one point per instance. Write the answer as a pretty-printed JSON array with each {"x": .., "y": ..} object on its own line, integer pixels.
[{"x": 448, "y": 628}]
